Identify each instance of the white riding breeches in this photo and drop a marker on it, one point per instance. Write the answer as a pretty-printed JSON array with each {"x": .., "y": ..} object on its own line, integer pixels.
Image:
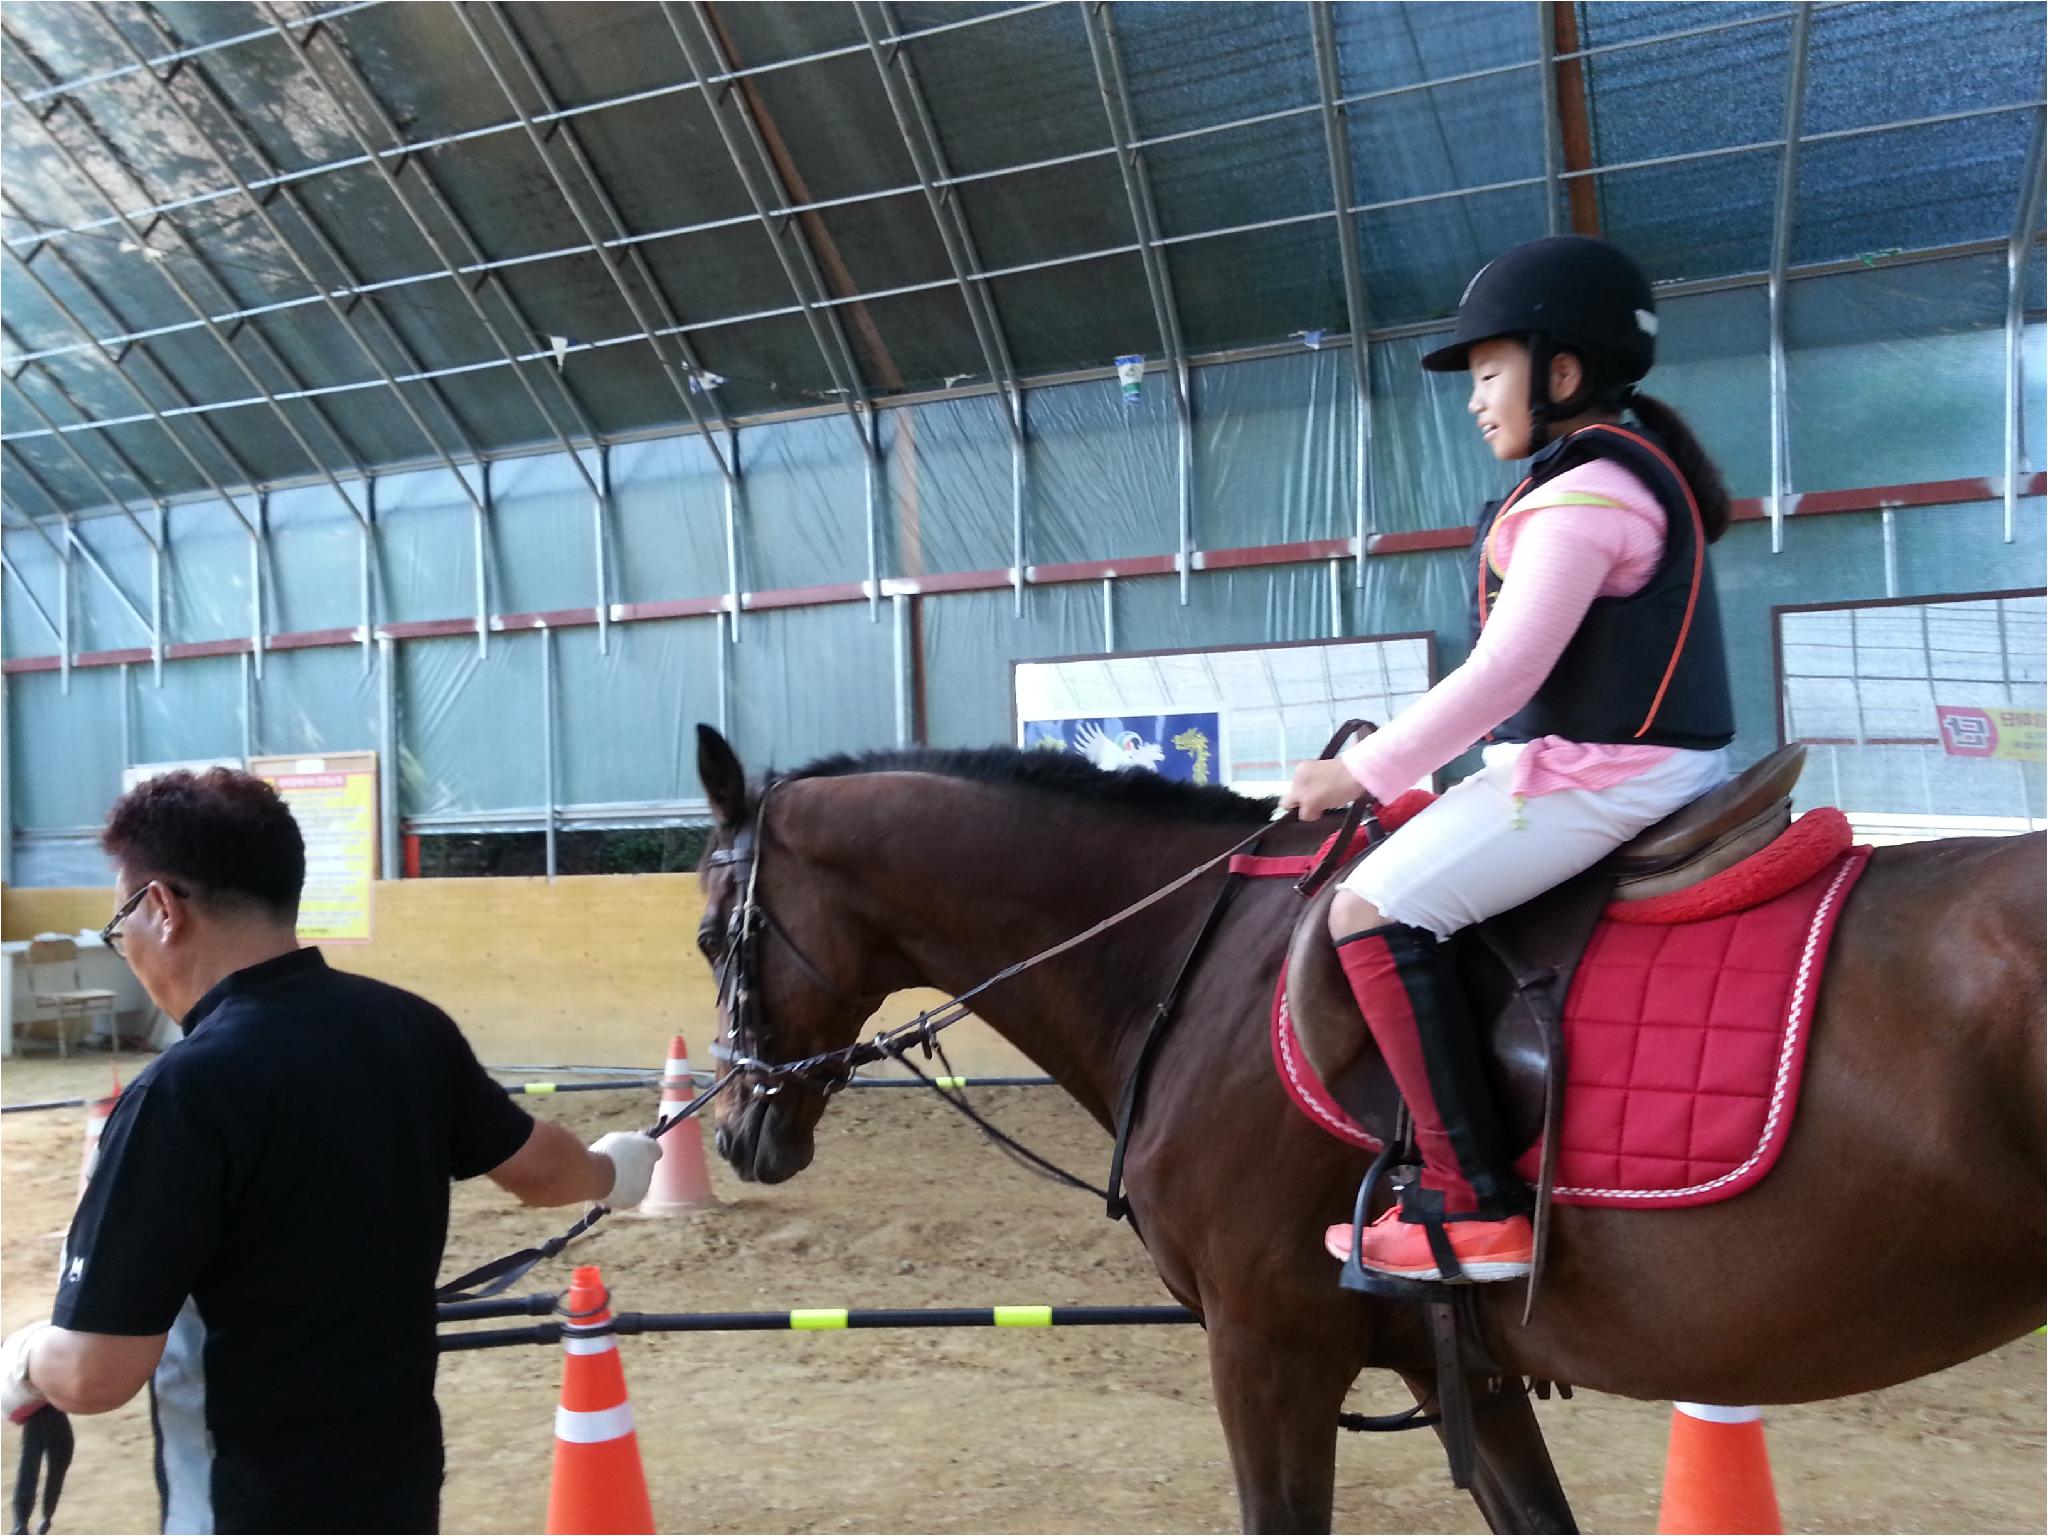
[{"x": 1479, "y": 850}]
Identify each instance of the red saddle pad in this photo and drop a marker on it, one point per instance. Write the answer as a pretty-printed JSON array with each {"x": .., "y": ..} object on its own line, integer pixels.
[{"x": 1684, "y": 1046}]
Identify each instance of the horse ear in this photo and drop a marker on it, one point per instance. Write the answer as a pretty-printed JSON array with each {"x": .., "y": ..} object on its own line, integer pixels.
[{"x": 724, "y": 781}]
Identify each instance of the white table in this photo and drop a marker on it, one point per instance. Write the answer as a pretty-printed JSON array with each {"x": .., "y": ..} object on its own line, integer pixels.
[{"x": 99, "y": 968}]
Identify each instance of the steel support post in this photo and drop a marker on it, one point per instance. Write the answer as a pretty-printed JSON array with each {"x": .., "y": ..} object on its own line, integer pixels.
[
  {"x": 258, "y": 547},
  {"x": 547, "y": 739},
  {"x": 601, "y": 517},
  {"x": 1781, "y": 251},
  {"x": 1337, "y": 598},
  {"x": 92, "y": 560},
  {"x": 392, "y": 865},
  {"x": 366, "y": 563},
  {"x": 1116, "y": 102},
  {"x": 478, "y": 521},
  {"x": 1109, "y": 615},
  {"x": 2015, "y": 325},
  {"x": 1020, "y": 548},
  {"x": 1546, "y": 57},
  {"x": 127, "y": 717},
  {"x": 927, "y": 157},
  {"x": 725, "y": 709},
  {"x": 733, "y": 484},
  {"x": 248, "y": 684},
  {"x": 1337, "y": 141},
  {"x": 871, "y": 502},
  {"x": 158, "y": 555},
  {"x": 900, "y": 606},
  {"x": 6, "y": 790}
]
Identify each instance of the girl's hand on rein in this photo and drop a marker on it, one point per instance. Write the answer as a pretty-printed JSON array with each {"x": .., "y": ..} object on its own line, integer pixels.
[{"x": 1320, "y": 787}]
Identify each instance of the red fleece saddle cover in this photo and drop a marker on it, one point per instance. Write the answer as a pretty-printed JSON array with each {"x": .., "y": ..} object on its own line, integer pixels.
[{"x": 1684, "y": 1045}]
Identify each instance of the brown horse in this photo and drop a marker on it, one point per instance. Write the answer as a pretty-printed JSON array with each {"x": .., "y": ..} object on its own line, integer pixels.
[{"x": 1901, "y": 1231}]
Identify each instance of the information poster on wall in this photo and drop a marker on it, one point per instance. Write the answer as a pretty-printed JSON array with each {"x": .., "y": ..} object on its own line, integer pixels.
[
  {"x": 1993, "y": 730},
  {"x": 1186, "y": 745},
  {"x": 334, "y": 799}
]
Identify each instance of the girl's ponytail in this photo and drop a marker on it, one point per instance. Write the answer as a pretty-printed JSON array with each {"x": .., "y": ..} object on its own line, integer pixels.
[{"x": 1691, "y": 458}]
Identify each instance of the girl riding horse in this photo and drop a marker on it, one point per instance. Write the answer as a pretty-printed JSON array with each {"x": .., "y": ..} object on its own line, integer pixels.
[{"x": 1598, "y": 677}]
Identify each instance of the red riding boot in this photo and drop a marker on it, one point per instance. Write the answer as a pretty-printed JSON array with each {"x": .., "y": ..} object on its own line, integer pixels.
[{"x": 1464, "y": 1217}]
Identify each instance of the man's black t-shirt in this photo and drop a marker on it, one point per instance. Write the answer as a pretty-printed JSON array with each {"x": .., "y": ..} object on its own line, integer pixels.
[{"x": 273, "y": 1192}]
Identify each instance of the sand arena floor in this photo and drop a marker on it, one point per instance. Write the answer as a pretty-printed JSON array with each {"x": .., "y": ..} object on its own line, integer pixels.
[{"x": 1027, "y": 1430}]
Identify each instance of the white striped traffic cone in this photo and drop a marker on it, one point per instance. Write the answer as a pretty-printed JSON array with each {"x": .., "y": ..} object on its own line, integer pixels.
[
  {"x": 599, "y": 1484},
  {"x": 681, "y": 1180}
]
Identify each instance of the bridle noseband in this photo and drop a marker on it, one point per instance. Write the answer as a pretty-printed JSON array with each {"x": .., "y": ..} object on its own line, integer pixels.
[{"x": 737, "y": 971}]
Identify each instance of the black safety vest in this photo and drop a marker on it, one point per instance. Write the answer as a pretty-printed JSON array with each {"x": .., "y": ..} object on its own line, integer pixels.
[{"x": 1649, "y": 668}]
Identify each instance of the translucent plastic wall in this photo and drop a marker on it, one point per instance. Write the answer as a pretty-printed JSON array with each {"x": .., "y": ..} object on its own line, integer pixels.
[{"x": 1896, "y": 376}]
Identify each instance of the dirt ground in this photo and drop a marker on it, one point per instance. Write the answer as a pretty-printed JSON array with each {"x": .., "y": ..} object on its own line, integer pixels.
[{"x": 1012, "y": 1430}]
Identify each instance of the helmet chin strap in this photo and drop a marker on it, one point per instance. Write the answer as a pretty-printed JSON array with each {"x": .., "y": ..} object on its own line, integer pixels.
[{"x": 1541, "y": 352}]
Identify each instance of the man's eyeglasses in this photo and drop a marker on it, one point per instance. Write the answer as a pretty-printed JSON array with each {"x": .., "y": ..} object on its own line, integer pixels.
[{"x": 111, "y": 934}]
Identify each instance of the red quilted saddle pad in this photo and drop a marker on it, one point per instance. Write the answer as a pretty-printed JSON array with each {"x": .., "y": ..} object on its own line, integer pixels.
[{"x": 1684, "y": 1047}]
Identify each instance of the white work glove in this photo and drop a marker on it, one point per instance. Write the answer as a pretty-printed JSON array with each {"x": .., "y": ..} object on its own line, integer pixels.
[
  {"x": 20, "y": 1397},
  {"x": 633, "y": 1155}
]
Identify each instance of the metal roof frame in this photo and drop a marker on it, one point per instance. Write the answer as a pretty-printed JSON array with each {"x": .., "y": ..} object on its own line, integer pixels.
[
  {"x": 406, "y": 148},
  {"x": 1781, "y": 251},
  {"x": 177, "y": 285},
  {"x": 1049, "y": 263},
  {"x": 1337, "y": 143},
  {"x": 598, "y": 246},
  {"x": 1116, "y": 102},
  {"x": 2027, "y": 215}
]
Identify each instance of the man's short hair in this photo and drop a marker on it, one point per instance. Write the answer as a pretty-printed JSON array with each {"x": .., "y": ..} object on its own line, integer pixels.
[{"x": 226, "y": 834}]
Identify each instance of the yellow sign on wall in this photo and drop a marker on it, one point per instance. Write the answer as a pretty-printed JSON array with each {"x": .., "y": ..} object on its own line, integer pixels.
[
  {"x": 334, "y": 800},
  {"x": 1993, "y": 730}
]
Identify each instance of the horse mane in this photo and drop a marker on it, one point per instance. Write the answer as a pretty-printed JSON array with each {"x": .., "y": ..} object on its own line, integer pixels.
[{"x": 1058, "y": 773}]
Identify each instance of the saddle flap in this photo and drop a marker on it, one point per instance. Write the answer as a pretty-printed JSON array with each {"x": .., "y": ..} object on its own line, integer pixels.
[
  {"x": 1547, "y": 934},
  {"x": 1717, "y": 816}
]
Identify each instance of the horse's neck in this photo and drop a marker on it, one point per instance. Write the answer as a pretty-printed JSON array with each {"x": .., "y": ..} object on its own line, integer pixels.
[{"x": 963, "y": 905}]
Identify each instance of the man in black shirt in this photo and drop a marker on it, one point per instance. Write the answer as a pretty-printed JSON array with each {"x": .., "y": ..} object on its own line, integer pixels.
[{"x": 260, "y": 1238}]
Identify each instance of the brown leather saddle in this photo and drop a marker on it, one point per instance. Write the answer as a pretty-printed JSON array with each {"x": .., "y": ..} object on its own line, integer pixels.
[{"x": 1518, "y": 967}]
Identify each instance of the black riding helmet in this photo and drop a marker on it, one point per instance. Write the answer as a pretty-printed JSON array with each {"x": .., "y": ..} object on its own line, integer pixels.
[{"x": 1565, "y": 291}]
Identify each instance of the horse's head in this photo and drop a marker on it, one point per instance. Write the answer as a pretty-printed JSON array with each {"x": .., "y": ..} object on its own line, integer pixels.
[{"x": 795, "y": 970}]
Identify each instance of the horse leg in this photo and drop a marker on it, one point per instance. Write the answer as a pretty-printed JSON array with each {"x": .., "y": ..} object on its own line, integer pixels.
[
  {"x": 1279, "y": 1396},
  {"x": 1514, "y": 1483}
]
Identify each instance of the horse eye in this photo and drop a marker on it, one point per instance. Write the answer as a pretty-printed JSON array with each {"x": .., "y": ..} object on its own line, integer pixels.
[{"x": 708, "y": 943}]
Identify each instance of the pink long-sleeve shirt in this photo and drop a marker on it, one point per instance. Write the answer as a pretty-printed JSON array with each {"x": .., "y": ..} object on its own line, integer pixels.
[{"x": 1594, "y": 531}]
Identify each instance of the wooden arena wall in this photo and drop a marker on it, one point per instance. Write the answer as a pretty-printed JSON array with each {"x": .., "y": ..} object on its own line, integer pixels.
[{"x": 597, "y": 969}]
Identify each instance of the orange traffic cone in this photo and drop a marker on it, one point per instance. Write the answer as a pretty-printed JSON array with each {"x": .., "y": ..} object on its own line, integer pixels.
[
  {"x": 598, "y": 1484},
  {"x": 681, "y": 1181},
  {"x": 1717, "y": 1474},
  {"x": 96, "y": 1113}
]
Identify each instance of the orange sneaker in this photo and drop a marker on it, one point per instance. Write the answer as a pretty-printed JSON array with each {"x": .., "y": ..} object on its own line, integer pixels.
[{"x": 1486, "y": 1250}]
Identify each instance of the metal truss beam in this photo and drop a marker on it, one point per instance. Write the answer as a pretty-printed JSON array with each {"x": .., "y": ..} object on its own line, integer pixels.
[
  {"x": 697, "y": 36},
  {"x": 479, "y": 268},
  {"x": 140, "y": 239},
  {"x": 301, "y": 49},
  {"x": 927, "y": 158},
  {"x": 405, "y": 148},
  {"x": 164, "y": 380},
  {"x": 2024, "y": 220},
  {"x": 1337, "y": 139},
  {"x": 322, "y": 242},
  {"x": 682, "y": 370},
  {"x": 114, "y": 497},
  {"x": 1116, "y": 102},
  {"x": 260, "y": 209},
  {"x": 34, "y": 602},
  {"x": 1781, "y": 252}
]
